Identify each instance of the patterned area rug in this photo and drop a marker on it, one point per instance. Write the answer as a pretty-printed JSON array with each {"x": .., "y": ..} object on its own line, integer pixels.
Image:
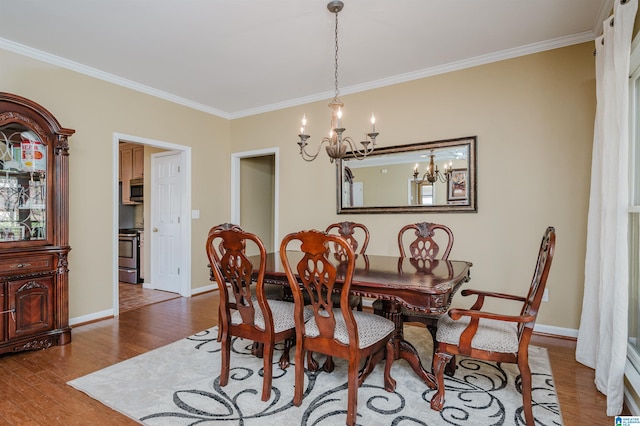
[{"x": 178, "y": 384}]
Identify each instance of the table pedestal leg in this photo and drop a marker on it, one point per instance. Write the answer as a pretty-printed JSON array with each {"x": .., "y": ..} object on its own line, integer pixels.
[{"x": 403, "y": 349}]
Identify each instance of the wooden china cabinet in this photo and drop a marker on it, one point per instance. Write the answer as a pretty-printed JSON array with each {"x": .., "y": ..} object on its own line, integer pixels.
[{"x": 34, "y": 227}]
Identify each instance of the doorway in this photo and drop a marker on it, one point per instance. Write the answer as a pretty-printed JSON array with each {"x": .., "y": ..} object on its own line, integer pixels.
[
  {"x": 255, "y": 194},
  {"x": 128, "y": 296}
]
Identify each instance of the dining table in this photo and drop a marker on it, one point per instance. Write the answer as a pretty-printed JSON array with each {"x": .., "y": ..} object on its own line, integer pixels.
[{"x": 426, "y": 286}]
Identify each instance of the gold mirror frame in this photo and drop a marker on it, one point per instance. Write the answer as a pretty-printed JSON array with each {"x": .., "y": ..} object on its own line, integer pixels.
[{"x": 468, "y": 203}]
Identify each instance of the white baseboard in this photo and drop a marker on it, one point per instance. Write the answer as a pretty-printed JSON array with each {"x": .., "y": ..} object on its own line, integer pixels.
[
  {"x": 556, "y": 331},
  {"x": 109, "y": 312},
  {"x": 91, "y": 317},
  {"x": 204, "y": 289}
]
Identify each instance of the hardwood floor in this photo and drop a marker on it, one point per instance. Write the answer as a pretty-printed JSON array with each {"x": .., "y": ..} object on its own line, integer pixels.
[
  {"x": 33, "y": 389},
  {"x": 134, "y": 296}
]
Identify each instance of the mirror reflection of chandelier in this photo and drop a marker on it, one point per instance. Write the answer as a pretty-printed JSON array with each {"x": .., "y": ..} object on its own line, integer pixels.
[
  {"x": 336, "y": 144},
  {"x": 433, "y": 174}
]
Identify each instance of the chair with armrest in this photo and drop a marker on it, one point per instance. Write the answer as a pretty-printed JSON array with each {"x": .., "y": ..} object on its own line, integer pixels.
[
  {"x": 493, "y": 336},
  {"x": 334, "y": 330},
  {"x": 432, "y": 241},
  {"x": 252, "y": 316}
]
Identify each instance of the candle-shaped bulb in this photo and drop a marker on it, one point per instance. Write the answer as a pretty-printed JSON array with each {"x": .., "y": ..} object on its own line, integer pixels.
[
  {"x": 339, "y": 118},
  {"x": 302, "y": 130},
  {"x": 373, "y": 123},
  {"x": 415, "y": 169},
  {"x": 304, "y": 120}
]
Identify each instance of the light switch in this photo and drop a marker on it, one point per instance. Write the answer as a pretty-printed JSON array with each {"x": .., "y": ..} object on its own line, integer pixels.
[{"x": 195, "y": 214}]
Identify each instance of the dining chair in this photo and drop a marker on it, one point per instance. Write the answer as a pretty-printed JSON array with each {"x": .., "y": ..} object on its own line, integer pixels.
[
  {"x": 425, "y": 244},
  {"x": 493, "y": 336},
  {"x": 272, "y": 291},
  {"x": 348, "y": 231},
  {"x": 334, "y": 330},
  {"x": 432, "y": 241},
  {"x": 252, "y": 316}
]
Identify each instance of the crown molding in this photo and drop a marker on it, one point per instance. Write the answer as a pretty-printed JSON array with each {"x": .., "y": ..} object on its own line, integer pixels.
[
  {"x": 429, "y": 72},
  {"x": 402, "y": 78},
  {"x": 105, "y": 76}
]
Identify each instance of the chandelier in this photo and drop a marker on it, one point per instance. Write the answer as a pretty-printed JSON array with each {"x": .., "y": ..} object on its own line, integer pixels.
[
  {"x": 433, "y": 174},
  {"x": 336, "y": 143}
]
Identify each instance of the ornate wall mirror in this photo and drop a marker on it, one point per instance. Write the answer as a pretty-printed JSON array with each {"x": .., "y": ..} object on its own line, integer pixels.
[{"x": 437, "y": 176}]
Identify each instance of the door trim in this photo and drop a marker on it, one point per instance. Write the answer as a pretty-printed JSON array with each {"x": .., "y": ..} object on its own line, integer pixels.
[
  {"x": 235, "y": 187},
  {"x": 185, "y": 155}
]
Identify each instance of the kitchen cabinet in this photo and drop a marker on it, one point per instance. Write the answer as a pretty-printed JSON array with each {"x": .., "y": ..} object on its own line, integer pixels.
[
  {"x": 34, "y": 227},
  {"x": 131, "y": 167}
]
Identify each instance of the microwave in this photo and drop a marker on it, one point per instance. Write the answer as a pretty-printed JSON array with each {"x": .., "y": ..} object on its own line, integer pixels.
[{"x": 136, "y": 187}]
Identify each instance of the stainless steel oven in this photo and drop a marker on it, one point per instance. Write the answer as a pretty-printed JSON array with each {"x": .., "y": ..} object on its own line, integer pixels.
[{"x": 129, "y": 256}]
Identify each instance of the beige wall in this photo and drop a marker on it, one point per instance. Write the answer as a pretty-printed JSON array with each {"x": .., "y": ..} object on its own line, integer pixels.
[
  {"x": 96, "y": 109},
  {"x": 533, "y": 116}
]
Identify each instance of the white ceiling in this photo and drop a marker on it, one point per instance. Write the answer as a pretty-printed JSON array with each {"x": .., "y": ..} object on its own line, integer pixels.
[{"x": 235, "y": 58}]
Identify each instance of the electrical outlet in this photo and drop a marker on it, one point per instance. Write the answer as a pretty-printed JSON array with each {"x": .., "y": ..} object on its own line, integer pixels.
[{"x": 545, "y": 295}]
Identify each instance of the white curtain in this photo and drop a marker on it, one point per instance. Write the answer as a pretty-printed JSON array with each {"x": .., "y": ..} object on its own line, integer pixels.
[{"x": 602, "y": 336}]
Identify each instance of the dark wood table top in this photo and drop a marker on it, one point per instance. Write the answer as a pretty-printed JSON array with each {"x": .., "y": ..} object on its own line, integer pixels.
[{"x": 419, "y": 285}]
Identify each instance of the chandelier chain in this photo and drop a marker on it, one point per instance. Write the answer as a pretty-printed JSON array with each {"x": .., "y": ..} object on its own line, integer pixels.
[{"x": 337, "y": 91}]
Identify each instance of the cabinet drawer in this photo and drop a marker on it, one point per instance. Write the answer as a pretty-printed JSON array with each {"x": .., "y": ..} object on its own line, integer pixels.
[{"x": 27, "y": 264}]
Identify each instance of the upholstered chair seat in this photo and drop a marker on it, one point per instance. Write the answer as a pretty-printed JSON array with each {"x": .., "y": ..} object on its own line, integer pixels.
[
  {"x": 371, "y": 328},
  {"x": 282, "y": 315},
  {"x": 492, "y": 335}
]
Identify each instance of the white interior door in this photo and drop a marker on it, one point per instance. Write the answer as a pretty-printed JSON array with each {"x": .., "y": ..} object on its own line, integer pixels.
[{"x": 166, "y": 222}]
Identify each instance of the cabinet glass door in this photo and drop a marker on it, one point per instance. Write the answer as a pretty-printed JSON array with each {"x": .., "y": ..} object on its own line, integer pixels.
[{"x": 23, "y": 172}]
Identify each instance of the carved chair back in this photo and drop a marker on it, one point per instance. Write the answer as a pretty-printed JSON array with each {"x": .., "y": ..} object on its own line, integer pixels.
[
  {"x": 425, "y": 245},
  {"x": 317, "y": 278},
  {"x": 348, "y": 231},
  {"x": 232, "y": 270}
]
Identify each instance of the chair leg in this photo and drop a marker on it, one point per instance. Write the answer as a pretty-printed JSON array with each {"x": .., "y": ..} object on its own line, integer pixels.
[
  {"x": 226, "y": 355},
  {"x": 352, "y": 391},
  {"x": 328, "y": 365},
  {"x": 312, "y": 364},
  {"x": 442, "y": 358},
  {"x": 284, "y": 358},
  {"x": 299, "y": 376},
  {"x": 257, "y": 349},
  {"x": 450, "y": 368},
  {"x": 525, "y": 374},
  {"x": 267, "y": 371}
]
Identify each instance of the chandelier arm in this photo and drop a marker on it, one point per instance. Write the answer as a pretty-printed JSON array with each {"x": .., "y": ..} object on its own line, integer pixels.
[
  {"x": 310, "y": 157},
  {"x": 358, "y": 153}
]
